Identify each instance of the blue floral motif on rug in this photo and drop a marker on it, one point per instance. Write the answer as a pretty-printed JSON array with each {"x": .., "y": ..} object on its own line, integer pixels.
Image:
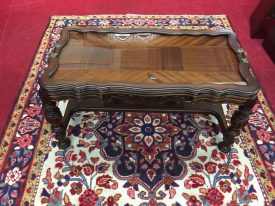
[{"x": 149, "y": 147}]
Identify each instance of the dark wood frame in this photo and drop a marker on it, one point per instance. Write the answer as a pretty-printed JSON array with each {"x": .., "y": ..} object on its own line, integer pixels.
[
  {"x": 205, "y": 98},
  {"x": 269, "y": 43},
  {"x": 262, "y": 19}
]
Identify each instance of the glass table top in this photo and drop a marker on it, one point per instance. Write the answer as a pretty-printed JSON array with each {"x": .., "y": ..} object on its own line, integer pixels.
[{"x": 148, "y": 58}]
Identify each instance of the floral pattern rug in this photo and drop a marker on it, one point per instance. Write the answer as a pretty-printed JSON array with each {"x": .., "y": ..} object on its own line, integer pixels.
[{"x": 153, "y": 159}]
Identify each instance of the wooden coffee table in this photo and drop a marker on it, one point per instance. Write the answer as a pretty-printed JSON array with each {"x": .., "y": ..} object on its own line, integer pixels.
[{"x": 150, "y": 71}]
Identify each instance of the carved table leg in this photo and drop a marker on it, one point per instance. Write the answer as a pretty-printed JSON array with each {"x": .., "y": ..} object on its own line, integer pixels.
[
  {"x": 238, "y": 121},
  {"x": 54, "y": 117}
]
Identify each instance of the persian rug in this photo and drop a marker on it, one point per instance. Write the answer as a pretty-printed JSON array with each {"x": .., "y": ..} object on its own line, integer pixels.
[{"x": 145, "y": 159}]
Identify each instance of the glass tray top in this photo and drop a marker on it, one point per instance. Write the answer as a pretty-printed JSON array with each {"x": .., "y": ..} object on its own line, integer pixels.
[{"x": 148, "y": 58}]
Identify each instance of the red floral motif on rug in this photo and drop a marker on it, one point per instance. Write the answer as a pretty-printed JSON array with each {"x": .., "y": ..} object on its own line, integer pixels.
[{"x": 133, "y": 158}]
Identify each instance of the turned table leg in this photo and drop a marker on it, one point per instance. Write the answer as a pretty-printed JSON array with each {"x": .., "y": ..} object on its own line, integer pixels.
[
  {"x": 54, "y": 117},
  {"x": 238, "y": 121}
]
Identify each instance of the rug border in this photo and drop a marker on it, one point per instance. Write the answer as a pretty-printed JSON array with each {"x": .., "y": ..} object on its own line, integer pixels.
[
  {"x": 20, "y": 101},
  {"x": 25, "y": 78},
  {"x": 253, "y": 158},
  {"x": 268, "y": 111}
]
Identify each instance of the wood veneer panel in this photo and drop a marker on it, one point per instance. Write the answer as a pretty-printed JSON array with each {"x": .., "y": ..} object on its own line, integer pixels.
[{"x": 99, "y": 57}]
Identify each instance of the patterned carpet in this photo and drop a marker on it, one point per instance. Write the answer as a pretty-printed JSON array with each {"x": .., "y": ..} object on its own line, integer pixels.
[{"x": 133, "y": 158}]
